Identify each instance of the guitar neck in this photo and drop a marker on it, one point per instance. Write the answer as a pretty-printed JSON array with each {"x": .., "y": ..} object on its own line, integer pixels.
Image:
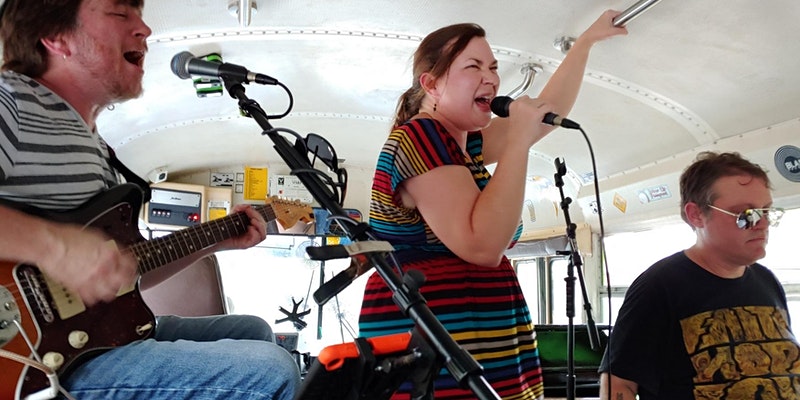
[{"x": 152, "y": 254}]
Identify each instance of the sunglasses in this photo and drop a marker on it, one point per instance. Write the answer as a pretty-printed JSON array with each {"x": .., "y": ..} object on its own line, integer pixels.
[
  {"x": 321, "y": 150},
  {"x": 748, "y": 218}
]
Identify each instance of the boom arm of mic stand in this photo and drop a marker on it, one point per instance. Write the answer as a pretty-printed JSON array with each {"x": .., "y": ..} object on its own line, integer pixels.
[{"x": 458, "y": 361}]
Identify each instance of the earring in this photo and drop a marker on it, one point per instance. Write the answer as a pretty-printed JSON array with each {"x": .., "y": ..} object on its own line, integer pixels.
[
  {"x": 64, "y": 57},
  {"x": 434, "y": 106}
]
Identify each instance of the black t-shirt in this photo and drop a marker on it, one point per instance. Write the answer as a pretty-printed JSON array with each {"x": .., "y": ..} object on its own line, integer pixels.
[{"x": 684, "y": 333}]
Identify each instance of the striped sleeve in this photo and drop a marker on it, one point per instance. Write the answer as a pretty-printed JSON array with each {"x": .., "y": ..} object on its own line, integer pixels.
[
  {"x": 49, "y": 157},
  {"x": 416, "y": 148},
  {"x": 9, "y": 124}
]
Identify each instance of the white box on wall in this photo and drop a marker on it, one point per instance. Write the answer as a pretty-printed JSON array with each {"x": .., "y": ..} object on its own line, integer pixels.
[{"x": 289, "y": 187}]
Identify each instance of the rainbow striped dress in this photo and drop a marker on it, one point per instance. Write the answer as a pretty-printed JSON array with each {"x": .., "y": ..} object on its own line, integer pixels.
[{"x": 482, "y": 308}]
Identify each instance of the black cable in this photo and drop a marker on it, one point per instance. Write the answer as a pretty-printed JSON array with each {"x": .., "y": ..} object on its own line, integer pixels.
[{"x": 602, "y": 255}]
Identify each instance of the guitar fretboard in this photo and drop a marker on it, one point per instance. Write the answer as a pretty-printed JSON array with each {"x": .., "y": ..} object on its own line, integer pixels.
[{"x": 161, "y": 251}]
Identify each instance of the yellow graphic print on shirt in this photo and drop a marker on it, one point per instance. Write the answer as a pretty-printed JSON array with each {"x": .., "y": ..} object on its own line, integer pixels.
[{"x": 743, "y": 353}]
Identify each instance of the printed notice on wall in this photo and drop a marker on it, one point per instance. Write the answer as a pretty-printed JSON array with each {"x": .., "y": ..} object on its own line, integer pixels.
[
  {"x": 255, "y": 183},
  {"x": 289, "y": 187}
]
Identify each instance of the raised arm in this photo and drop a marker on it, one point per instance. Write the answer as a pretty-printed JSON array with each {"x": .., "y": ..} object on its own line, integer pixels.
[{"x": 562, "y": 88}]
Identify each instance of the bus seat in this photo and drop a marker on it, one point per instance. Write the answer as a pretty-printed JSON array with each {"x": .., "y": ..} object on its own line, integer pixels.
[
  {"x": 195, "y": 291},
  {"x": 552, "y": 341}
]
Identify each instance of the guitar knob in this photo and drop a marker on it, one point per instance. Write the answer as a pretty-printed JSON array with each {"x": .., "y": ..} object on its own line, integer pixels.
[
  {"x": 53, "y": 360},
  {"x": 78, "y": 339}
]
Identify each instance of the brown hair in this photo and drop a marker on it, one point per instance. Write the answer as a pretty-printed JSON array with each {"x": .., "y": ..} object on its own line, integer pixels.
[
  {"x": 697, "y": 180},
  {"x": 25, "y": 22},
  {"x": 434, "y": 55}
]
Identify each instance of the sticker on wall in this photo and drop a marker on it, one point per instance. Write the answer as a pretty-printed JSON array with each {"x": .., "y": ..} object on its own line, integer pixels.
[
  {"x": 654, "y": 193},
  {"x": 787, "y": 161},
  {"x": 593, "y": 207},
  {"x": 620, "y": 202},
  {"x": 221, "y": 179}
]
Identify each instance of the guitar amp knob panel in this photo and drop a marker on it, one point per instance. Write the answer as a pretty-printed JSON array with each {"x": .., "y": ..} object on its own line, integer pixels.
[{"x": 174, "y": 207}]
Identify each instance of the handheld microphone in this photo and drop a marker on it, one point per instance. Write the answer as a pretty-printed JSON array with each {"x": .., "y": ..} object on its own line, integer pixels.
[
  {"x": 500, "y": 105},
  {"x": 185, "y": 64}
]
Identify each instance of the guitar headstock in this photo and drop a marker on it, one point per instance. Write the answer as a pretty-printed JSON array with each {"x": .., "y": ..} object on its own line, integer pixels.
[{"x": 289, "y": 212}]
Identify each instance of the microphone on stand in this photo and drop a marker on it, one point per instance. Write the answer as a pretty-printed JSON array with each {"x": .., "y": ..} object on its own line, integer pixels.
[
  {"x": 185, "y": 64},
  {"x": 500, "y": 105}
]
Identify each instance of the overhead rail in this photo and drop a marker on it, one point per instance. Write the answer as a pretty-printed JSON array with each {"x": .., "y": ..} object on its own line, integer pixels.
[{"x": 633, "y": 11}]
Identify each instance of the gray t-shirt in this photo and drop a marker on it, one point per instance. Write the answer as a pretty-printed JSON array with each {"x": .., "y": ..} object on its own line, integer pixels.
[{"x": 49, "y": 157}]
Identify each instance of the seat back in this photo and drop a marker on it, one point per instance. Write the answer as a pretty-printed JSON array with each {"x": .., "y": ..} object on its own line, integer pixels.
[
  {"x": 553, "y": 351},
  {"x": 195, "y": 291}
]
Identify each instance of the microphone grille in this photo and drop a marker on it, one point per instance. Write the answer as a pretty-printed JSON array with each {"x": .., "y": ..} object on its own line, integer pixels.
[
  {"x": 500, "y": 105},
  {"x": 180, "y": 63}
]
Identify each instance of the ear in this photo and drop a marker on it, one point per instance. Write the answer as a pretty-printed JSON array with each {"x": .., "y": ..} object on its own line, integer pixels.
[
  {"x": 428, "y": 83},
  {"x": 695, "y": 215},
  {"x": 56, "y": 45}
]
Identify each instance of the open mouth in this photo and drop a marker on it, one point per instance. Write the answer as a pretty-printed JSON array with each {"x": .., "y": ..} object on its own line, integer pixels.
[
  {"x": 483, "y": 101},
  {"x": 135, "y": 57}
]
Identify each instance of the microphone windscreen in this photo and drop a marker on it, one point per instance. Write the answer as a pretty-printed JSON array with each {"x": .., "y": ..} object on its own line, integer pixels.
[
  {"x": 500, "y": 105},
  {"x": 179, "y": 64}
]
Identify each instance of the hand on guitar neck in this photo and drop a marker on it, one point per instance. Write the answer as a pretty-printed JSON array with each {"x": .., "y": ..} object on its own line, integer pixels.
[
  {"x": 256, "y": 233},
  {"x": 87, "y": 262}
]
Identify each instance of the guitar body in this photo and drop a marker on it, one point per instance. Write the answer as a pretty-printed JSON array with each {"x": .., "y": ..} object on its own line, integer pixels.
[{"x": 50, "y": 316}]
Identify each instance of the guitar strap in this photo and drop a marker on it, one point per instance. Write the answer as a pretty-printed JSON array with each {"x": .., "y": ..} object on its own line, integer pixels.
[{"x": 129, "y": 175}]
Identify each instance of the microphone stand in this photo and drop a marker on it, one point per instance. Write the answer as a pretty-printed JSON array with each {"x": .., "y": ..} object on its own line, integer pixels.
[
  {"x": 575, "y": 263},
  {"x": 406, "y": 295}
]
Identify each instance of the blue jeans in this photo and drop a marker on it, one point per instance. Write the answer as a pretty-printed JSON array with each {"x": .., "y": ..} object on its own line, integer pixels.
[{"x": 220, "y": 357}]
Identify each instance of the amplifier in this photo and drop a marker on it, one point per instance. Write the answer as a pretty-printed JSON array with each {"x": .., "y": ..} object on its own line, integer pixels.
[{"x": 174, "y": 207}]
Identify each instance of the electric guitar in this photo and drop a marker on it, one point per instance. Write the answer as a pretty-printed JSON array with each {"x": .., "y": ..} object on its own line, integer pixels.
[{"x": 63, "y": 330}]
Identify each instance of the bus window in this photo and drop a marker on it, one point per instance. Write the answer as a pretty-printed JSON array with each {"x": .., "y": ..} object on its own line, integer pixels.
[
  {"x": 783, "y": 261},
  {"x": 631, "y": 253},
  {"x": 276, "y": 274},
  {"x": 528, "y": 273}
]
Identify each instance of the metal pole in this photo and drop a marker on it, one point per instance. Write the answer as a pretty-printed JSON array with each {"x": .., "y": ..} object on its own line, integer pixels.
[
  {"x": 529, "y": 71},
  {"x": 633, "y": 12}
]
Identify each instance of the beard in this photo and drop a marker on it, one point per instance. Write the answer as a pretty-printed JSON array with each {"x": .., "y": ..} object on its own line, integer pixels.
[{"x": 109, "y": 72}]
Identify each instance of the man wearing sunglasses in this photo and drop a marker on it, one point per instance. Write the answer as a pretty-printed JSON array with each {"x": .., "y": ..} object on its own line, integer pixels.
[{"x": 709, "y": 322}]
